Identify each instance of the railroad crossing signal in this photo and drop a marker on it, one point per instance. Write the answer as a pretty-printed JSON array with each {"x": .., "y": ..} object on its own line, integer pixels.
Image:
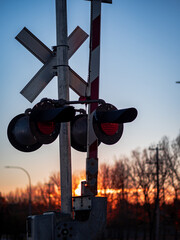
[
  {"x": 106, "y": 123},
  {"x": 40, "y": 125},
  {"x": 108, "y": 132},
  {"x": 48, "y": 58}
]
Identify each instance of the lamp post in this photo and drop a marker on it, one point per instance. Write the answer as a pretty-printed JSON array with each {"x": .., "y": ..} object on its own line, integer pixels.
[{"x": 24, "y": 170}]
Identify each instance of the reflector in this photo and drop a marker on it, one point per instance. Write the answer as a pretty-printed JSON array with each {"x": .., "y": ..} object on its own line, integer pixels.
[
  {"x": 109, "y": 128},
  {"x": 46, "y": 127},
  {"x": 20, "y": 135},
  {"x": 41, "y": 122},
  {"x": 40, "y": 125},
  {"x": 106, "y": 130}
]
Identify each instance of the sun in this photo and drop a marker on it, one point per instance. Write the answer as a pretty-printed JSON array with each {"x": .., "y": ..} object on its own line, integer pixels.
[{"x": 78, "y": 189}]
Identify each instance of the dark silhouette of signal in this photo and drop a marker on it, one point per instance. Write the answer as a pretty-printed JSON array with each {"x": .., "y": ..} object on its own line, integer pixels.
[
  {"x": 106, "y": 124},
  {"x": 42, "y": 124}
]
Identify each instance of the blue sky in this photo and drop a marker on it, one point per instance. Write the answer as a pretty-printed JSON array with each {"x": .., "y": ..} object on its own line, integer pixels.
[{"x": 140, "y": 59}]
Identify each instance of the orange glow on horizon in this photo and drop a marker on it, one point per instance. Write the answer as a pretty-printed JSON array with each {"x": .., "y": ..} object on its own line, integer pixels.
[
  {"x": 132, "y": 195},
  {"x": 77, "y": 191}
]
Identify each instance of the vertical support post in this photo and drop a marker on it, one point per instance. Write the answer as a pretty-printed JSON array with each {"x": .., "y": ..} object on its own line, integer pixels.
[
  {"x": 63, "y": 92},
  {"x": 157, "y": 190},
  {"x": 157, "y": 199},
  {"x": 93, "y": 93}
]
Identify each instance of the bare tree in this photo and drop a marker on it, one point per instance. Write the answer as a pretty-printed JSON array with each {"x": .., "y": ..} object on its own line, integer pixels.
[
  {"x": 55, "y": 180},
  {"x": 119, "y": 177},
  {"x": 143, "y": 173},
  {"x": 120, "y": 182},
  {"x": 145, "y": 180},
  {"x": 175, "y": 161},
  {"x": 104, "y": 178},
  {"x": 171, "y": 156},
  {"x": 40, "y": 194}
]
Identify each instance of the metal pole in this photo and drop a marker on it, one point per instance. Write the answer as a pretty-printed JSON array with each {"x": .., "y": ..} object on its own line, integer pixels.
[
  {"x": 93, "y": 93},
  {"x": 63, "y": 92},
  {"x": 29, "y": 178},
  {"x": 157, "y": 200},
  {"x": 157, "y": 190}
]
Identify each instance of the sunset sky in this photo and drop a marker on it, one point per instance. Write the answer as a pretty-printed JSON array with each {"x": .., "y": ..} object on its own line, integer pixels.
[{"x": 140, "y": 65}]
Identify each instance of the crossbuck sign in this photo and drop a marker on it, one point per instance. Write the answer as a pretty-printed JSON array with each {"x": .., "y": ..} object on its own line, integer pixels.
[{"x": 48, "y": 58}]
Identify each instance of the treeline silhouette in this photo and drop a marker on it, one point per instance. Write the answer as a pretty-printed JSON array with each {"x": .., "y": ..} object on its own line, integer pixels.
[{"x": 130, "y": 185}]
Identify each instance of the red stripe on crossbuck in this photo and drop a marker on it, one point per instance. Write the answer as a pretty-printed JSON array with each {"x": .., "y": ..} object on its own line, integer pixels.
[
  {"x": 96, "y": 32},
  {"x": 94, "y": 93}
]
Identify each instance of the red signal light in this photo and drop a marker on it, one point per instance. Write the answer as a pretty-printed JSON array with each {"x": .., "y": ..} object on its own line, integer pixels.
[
  {"x": 46, "y": 127},
  {"x": 110, "y": 128},
  {"x": 40, "y": 125},
  {"x": 43, "y": 122},
  {"x": 105, "y": 126},
  {"x": 108, "y": 122}
]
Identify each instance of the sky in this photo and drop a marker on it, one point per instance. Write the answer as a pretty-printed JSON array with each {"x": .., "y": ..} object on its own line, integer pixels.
[{"x": 140, "y": 58}]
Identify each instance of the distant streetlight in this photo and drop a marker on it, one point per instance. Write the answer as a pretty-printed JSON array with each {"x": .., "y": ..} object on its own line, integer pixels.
[{"x": 24, "y": 170}]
